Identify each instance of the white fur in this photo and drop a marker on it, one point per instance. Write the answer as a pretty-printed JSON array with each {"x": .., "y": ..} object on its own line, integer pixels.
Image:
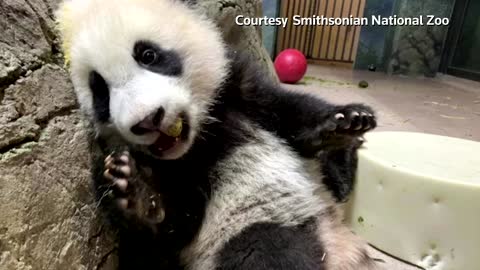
[
  {"x": 100, "y": 36},
  {"x": 141, "y": 96}
]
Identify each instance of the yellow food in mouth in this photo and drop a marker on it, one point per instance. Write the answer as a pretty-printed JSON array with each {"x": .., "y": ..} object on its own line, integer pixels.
[{"x": 175, "y": 129}]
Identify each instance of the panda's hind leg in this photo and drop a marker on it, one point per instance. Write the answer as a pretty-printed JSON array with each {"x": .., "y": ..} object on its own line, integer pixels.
[
  {"x": 342, "y": 127},
  {"x": 336, "y": 142},
  {"x": 343, "y": 249},
  {"x": 339, "y": 169}
]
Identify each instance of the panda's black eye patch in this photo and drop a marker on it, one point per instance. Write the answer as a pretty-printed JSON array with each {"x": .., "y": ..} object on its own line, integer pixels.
[
  {"x": 152, "y": 57},
  {"x": 101, "y": 96}
]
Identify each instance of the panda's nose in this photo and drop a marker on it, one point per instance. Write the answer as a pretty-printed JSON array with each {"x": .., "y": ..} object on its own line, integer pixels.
[{"x": 151, "y": 123}]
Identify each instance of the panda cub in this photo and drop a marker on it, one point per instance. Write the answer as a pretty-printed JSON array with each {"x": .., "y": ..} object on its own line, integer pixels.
[{"x": 199, "y": 162}]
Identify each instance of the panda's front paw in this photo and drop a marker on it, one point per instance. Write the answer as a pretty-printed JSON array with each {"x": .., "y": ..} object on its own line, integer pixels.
[
  {"x": 351, "y": 119},
  {"x": 132, "y": 196},
  {"x": 118, "y": 171}
]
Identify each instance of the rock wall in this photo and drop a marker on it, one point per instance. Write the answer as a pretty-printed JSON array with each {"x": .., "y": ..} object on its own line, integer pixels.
[
  {"x": 240, "y": 37},
  {"x": 47, "y": 215}
]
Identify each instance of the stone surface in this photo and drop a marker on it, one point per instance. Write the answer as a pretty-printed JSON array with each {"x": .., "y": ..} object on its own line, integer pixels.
[
  {"x": 18, "y": 131},
  {"x": 45, "y": 92},
  {"x": 240, "y": 37},
  {"x": 48, "y": 216},
  {"x": 27, "y": 40},
  {"x": 46, "y": 204}
]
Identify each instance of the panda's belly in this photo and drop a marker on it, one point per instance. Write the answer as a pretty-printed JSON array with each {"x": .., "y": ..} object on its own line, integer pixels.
[{"x": 261, "y": 181}]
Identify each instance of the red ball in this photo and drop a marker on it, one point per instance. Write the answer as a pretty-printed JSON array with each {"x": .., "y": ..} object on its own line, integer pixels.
[{"x": 291, "y": 66}]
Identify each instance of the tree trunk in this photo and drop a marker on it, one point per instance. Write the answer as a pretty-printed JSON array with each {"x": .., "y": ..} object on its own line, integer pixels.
[{"x": 47, "y": 214}]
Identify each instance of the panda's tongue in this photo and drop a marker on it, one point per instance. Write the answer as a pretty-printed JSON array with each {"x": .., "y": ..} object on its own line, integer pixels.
[{"x": 165, "y": 142}]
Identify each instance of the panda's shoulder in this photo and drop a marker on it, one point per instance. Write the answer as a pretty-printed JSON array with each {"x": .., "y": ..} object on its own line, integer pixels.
[{"x": 246, "y": 72}]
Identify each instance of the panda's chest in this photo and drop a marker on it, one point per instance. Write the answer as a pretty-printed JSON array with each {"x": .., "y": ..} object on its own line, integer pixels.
[{"x": 260, "y": 181}]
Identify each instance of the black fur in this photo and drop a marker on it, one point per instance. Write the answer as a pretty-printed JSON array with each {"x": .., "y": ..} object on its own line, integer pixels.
[
  {"x": 166, "y": 62},
  {"x": 304, "y": 120},
  {"x": 184, "y": 185},
  {"x": 338, "y": 169},
  {"x": 273, "y": 246},
  {"x": 101, "y": 96}
]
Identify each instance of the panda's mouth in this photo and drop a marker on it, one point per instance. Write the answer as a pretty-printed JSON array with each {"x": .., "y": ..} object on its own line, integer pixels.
[
  {"x": 167, "y": 142},
  {"x": 164, "y": 143}
]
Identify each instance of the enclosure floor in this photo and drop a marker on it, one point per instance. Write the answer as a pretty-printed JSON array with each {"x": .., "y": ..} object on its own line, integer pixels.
[{"x": 445, "y": 105}]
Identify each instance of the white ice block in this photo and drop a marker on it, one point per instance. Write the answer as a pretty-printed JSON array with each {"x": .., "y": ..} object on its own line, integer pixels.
[{"x": 417, "y": 197}]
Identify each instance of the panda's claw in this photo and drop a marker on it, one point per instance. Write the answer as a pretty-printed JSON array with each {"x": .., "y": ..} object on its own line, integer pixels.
[
  {"x": 108, "y": 175},
  {"x": 339, "y": 116},
  {"x": 353, "y": 119},
  {"x": 108, "y": 159}
]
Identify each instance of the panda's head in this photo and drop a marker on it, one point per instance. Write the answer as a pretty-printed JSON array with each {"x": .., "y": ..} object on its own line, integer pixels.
[{"x": 147, "y": 70}]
